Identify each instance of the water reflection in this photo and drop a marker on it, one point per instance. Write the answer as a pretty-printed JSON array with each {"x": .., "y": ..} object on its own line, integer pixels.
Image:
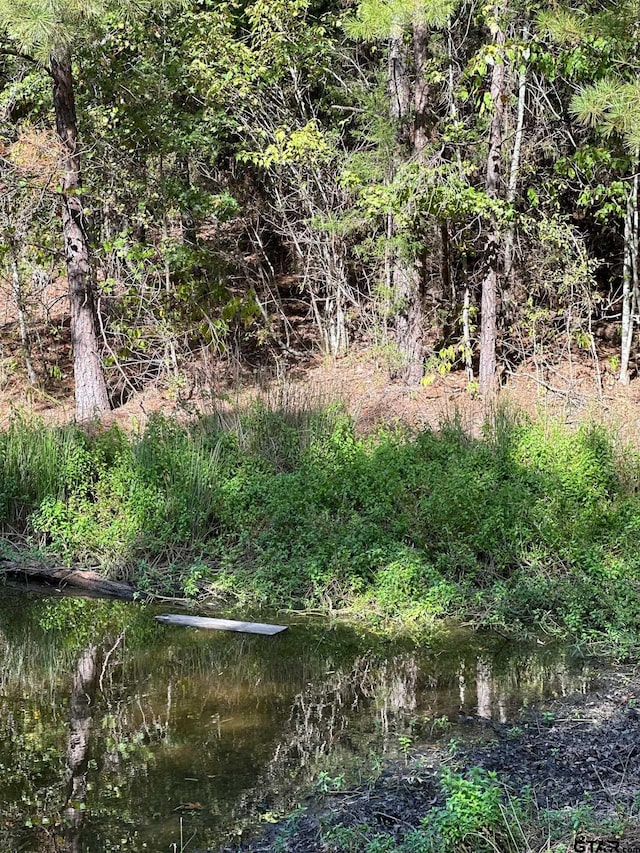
[
  {"x": 77, "y": 763},
  {"x": 113, "y": 728}
]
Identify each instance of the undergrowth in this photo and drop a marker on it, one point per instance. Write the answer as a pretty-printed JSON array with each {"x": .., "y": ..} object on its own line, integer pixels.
[
  {"x": 479, "y": 814},
  {"x": 530, "y": 526}
]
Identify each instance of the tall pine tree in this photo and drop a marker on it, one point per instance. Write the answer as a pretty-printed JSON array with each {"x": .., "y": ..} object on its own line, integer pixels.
[{"x": 45, "y": 32}]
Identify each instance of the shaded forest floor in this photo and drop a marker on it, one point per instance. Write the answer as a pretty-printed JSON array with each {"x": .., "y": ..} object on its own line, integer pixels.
[
  {"x": 568, "y": 390},
  {"x": 565, "y": 382}
]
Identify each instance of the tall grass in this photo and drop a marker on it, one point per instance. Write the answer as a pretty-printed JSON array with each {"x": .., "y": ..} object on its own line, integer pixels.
[
  {"x": 37, "y": 463},
  {"x": 532, "y": 523}
]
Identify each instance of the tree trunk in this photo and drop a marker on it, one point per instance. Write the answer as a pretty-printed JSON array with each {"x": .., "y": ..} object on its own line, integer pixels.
[
  {"x": 12, "y": 234},
  {"x": 629, "y": 279},
  {"x": 448, "y": 288},
  {"x": 405, "y": 274},
  {"x": 87, "y": 581},
  {"x": 90, "y": 387},
  {"x": 422, "y": 115},
  {"x": 466, "y": 334},
  {"x": 409, "y": 321},
  {"x": 18, "y": 297},
  {"x": 488, "y": 377},
  {"x": 399, "y": 86},
  {"x": 187, "y": 219},
  {"x": 514, "y": 170}
]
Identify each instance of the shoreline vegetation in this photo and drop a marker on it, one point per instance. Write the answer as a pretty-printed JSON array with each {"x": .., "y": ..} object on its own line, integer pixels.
[
  {"x": 529, "y": 527},
  {"x": 198, "y": 191},
  {"x": 553, "y": 780}
]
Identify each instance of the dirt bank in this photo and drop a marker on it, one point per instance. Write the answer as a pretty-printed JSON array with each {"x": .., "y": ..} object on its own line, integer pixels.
[{"x": 571, "y": 391}]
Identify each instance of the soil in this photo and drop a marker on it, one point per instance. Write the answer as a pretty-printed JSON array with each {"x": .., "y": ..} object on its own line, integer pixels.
[
  {"x": 582, "y": 750},
  {"x": 569, "y": 391},
  {"x": 568, "y": 383}
]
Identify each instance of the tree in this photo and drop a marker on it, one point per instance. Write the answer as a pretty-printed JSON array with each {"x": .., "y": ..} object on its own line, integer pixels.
[
  {"x": 44, "y": 33},
  {"x": 414, "y": 104},
  {"x": 16, "y": 211},
  {"x": 290, "y": 137},
  {"x": 611, "y": 105},
  {"x": 488, "y": 376}
]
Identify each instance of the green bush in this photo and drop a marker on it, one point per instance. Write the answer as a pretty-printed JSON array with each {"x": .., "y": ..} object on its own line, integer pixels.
[
  {"x": 478, "y": 816},
  {"x": 473, "y": 818},
  {"x": 530, "y": 524}
]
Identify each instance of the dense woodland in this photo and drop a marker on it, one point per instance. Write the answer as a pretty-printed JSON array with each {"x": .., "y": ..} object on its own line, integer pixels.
[{"x": 454, "y": 184}]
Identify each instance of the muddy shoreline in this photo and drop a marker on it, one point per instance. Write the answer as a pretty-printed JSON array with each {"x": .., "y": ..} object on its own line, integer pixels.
[{"x": 575, "y": 758}]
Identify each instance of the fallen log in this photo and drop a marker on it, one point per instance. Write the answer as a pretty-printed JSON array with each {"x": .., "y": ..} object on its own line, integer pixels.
[
  {"x": 63, "y": 577},
  {"x": 221, "y": 624}
]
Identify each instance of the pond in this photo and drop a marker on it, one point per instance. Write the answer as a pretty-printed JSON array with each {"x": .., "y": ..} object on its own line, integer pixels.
[{"x": 118, "y": 733}]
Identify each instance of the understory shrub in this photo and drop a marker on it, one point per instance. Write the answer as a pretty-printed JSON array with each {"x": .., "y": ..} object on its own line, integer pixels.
[{"x": 473, "y": 818}]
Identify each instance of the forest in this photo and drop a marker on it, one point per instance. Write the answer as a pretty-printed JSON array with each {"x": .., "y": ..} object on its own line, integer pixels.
[
  {"x": 189, "y": 188},
  {"x": 452, "y": 185},
  {"x": 206, "y": 199}
]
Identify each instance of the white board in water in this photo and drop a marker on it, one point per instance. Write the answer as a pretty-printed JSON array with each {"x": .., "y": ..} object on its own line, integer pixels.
[{"x": 221, "y": 624}]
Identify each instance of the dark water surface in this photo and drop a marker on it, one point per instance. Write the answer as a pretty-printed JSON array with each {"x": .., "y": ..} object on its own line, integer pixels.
[{"x": 150, "y": 734}]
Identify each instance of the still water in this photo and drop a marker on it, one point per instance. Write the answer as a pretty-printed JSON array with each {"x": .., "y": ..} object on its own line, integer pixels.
[{"x": 118, "y": 733}]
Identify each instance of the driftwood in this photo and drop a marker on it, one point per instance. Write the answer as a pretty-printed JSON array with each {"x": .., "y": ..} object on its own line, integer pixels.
[
  {"x": 63, "y": 577},
  {"x": 221, "y": 624}
]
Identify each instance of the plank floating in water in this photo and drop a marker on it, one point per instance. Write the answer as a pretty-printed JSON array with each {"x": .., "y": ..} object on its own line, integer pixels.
[{"x": 221, "y": 624}]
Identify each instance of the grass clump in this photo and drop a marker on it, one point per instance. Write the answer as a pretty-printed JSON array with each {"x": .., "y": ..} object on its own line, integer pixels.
[
  {"x": 530, "y": 524},
  {"x": 477, "y": 815}
]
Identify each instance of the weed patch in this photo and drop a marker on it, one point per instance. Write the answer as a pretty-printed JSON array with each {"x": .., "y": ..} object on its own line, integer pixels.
[{"x": 529, "y": 525}]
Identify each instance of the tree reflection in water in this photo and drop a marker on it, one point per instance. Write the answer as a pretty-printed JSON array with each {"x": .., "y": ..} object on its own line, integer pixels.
[
  {"x": 77, "y": 761},
  {"x": 216, "y": 730},
  {"x": 484, "y": 687}
]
